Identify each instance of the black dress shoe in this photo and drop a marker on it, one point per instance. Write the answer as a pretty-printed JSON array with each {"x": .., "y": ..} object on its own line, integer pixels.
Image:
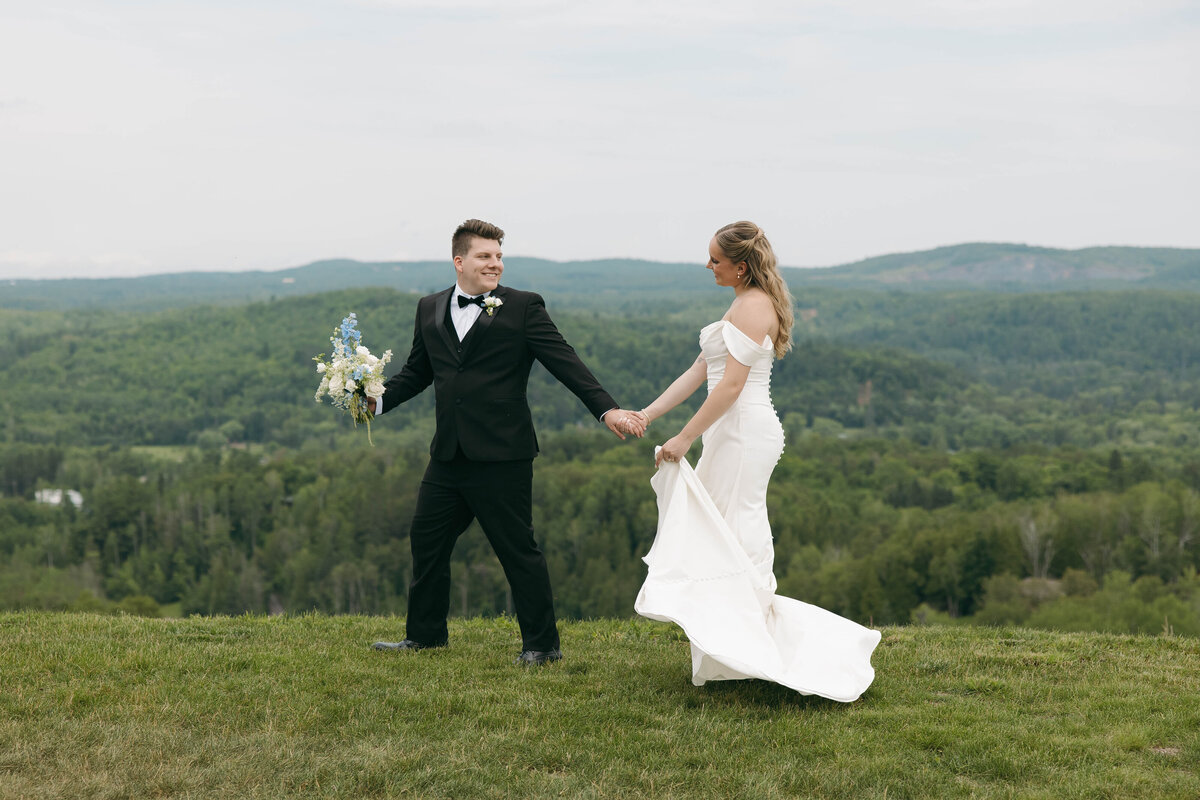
[
  {"x": 536, "y": 658},
  {"x": 407, "y": 644}
]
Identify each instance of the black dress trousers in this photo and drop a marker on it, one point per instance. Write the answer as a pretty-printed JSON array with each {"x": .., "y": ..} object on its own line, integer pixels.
[{"x": 499, "y": 495}]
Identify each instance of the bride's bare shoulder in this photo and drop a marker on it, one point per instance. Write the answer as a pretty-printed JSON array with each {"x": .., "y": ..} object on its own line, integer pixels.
[{"x": 753, "y": 314}]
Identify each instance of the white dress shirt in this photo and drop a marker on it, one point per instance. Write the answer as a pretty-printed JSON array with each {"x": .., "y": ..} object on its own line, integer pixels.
[{"x": 463, "y": 317}]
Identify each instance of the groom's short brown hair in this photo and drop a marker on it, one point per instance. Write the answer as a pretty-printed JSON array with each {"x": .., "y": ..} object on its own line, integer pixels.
[{"x": 460, "y": 243}]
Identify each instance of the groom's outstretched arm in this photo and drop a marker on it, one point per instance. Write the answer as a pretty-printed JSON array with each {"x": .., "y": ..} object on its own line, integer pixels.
[
  {"x": 551, "y": 349},
  {"x": 413, "y": 377}
]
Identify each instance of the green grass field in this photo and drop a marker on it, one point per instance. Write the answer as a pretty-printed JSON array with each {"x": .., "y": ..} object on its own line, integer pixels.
[{"x": 249, "y": 707}]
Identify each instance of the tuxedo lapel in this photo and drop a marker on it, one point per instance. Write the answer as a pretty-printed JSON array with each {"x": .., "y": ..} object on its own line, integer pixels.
[
  {"x": 481, "y": 325},
  {"x": 441, "y": 312}
]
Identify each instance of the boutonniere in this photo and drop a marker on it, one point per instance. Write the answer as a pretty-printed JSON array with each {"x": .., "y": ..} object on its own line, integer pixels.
[{"x": 490, "y": 304}]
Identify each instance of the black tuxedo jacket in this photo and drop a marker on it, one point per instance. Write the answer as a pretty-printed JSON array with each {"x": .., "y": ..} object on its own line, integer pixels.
[{"x": 480, "y": 382}]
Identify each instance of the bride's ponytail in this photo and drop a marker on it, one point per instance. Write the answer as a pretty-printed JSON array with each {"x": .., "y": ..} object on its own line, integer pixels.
[{"x": 745, "y": 241}]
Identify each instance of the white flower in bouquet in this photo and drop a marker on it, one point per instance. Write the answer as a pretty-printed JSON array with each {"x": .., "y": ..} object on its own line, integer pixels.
[{"x": 352, "y": 373}]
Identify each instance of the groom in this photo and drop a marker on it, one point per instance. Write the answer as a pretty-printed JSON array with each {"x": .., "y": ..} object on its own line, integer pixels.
[{"x": 476, "y": 342}]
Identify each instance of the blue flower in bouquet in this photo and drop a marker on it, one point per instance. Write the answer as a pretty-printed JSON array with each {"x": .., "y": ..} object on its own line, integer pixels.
[{"x": 351, "y": 336}]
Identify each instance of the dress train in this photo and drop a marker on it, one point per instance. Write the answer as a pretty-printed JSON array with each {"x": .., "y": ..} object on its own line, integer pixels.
[{"x": 702, "y": 579}]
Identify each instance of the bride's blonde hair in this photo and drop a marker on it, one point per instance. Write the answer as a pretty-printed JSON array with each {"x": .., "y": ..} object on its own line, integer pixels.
[{"x": 745, "y": 241}]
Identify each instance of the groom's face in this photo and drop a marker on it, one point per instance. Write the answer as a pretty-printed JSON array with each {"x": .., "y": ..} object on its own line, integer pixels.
[{"x": 480, "y": 269}]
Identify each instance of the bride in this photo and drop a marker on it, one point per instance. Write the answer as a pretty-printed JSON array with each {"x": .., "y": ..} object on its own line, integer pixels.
[{"x": 711, "y": 561}]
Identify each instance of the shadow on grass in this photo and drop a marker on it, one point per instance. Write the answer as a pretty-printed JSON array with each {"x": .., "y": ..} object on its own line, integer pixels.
[
  {"x": 764, "y": 694},
  {"x": 752, "y": 693}
]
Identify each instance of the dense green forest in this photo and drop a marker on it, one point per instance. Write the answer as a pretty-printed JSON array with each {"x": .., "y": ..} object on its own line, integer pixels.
[{"x": 977, "y": 456}]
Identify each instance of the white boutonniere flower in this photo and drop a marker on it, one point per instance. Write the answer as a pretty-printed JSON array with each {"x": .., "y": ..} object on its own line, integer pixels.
[{"x": 490, "y": 304}]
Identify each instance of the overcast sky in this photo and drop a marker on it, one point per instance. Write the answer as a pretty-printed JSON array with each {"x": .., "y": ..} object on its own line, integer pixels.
[{"x": 140, "y": 137}]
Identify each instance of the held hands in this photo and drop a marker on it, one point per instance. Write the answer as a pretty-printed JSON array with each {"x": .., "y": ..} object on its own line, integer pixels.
[
  {"x": 372, "y": 405},
  {"x": 674, "y": 449},
  {"x": 621, "y": 422},
  {"x": 636, "y": 422}
]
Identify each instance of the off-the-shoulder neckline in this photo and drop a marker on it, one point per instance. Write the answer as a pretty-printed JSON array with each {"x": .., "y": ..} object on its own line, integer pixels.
[{"x": 768, "y": 346}]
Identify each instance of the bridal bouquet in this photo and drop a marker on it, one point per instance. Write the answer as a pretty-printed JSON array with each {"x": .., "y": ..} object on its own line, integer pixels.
[{"x": 352, "y": 373}]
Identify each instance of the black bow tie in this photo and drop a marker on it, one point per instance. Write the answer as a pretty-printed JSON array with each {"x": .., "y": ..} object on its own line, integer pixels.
[{"x": 464, "y": 301}]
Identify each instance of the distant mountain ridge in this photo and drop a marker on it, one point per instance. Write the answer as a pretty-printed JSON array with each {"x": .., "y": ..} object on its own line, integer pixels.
[
  {"x": 587, "y": 284},
  {"x": 1000, "y": 266},
  {"x": 599, "y": 283}
]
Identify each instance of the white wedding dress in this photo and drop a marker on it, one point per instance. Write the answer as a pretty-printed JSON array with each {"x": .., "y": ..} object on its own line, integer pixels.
[{"x": 711, "y": 562}]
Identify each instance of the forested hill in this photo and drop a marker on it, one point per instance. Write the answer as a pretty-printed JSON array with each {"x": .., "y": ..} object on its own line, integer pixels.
[
  {"x": 1006, "y": 458},
  {"x": 167, "y": 377},
  {"x": 636, "y": 284}
]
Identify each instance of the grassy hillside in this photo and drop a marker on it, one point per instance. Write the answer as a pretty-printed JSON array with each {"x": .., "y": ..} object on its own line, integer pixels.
[{"x": 254, "y": 707}]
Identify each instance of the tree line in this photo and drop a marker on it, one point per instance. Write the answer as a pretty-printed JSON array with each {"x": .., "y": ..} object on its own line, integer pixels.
[{"x": 881, "y": 530}]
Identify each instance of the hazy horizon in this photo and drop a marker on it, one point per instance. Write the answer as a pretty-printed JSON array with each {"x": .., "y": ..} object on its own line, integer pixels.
[{"x": 11, "y": 279}]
